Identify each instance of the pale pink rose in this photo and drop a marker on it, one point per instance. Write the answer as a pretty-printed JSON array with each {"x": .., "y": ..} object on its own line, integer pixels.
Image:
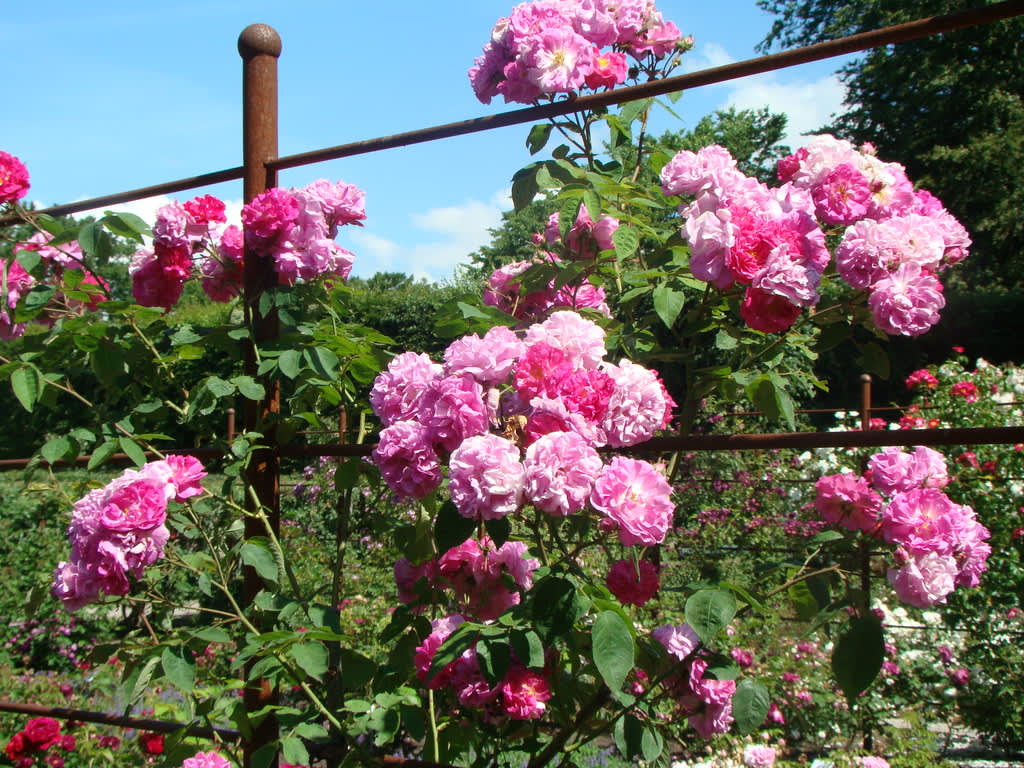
[
  {"x": 925, "y": 579},
  {"x": 870, "y": 761},
  {"x": 582, "y": 340},
  {"x": 397, "y": 393},
  {"x": 709, "y": 704},
  {"x": 479, "y": 574},
  {"x": 924, "y": 520},
  {"x": 638, "y": 407},
  {"x": 524, "y": 692},
  {"x": 659, "y": 40},
  {"x": 66, "y": 255},
  {"x": 489, "y": 360},
  {"x": 560, "y": 469},
  {"x": 550, "y": 414},
  {"x": 711, "y": 235},
  {"x": 845, "y": 499},
  {"x": 758, "y": 756},
  {"x": 171, "y": 226},
  {"x": 454, "y": 408},
  {"x": 893, "y": 471},
  {"x": 138, "y": 506},
  {"x": 406, "y": 459},
  {"x": 222, "y": 272},
  {"x": 407, "y": 576},
  {"x": 486, "y": 477},
  {"x": 424, "y": 654},
  {"x": 680, "y": 641},
  {"x": 487, "y": 73},
  {"x": 633, "y": 583},
  {"x": 907, "y": 302},
  {"x": 186, "y": 472},
  {"x": 559, "y": 61},
  {"x": 636, "y": 498},
  {"x": 340, "y": 203},
  {"x": 153, "y": 285}
]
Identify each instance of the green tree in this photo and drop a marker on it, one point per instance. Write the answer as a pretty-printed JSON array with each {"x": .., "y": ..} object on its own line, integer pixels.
[{"x": 949, "y": 107}]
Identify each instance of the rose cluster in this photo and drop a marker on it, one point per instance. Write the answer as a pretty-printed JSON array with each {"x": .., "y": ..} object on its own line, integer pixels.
[
  {"x": 40, "y": 734},
  {"x": 119, "y": 529},
  {"x": 741, "y": 232},
  {"x": 206, "y": 760},
  {"x": 295, "y": 228},
  {"x": 546, "y": 47},
  {"x": 705, "y": 702},
  {"x": 584, "y": 240},
  {"x": 939, "y": 545},
  {"x": 520, "y": 695},
  {"x": 897, "y": 240},
  {"x": 518, "y": 417}
]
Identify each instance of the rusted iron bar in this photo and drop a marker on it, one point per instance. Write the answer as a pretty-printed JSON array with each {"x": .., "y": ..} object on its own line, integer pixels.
[
  {"x": 817, "y": 52},
  {"x": 851, "y": 44},
  {"x": 260, "y": 46},
  {"x": 168, "y": 187},
  {"x": 118, "y": 721},
  {"x": 875, "y": 438}
]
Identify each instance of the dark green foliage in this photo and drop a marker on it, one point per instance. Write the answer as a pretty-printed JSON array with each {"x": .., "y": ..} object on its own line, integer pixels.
[
  {"x": 399, "y": 307},
  {"x": 948, "y": 107}
]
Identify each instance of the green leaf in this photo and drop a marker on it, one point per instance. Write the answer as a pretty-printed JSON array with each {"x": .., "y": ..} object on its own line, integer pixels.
[
  {"x": 357, "y": 671},
  {"x": 626, "y": 241},
  {"x": 499, "y": 530},
  {"x": 750, "y": 705},
  {"x": 35, "y": 302},
  {"x": 218, "y": 387},
  {"x": 525, "y": 186},
  {"x": 651, "y": 744},
  {"x": 138, "y": 680},
  {"x": 132, "y": 450},
  {"x": 55, "y": 449},
  {"x": 629, "y": 733},
  {"x": 27, "y": 384},
  {"x": 312, "y": 657},
  {"x": 528, "y": 648},
  {"x": 451, "y": 528},
  {"x": 126, "y": 225},
  {"x": 290, "y": 363},
  {"x": 725, "y": 340},
  {"x": 553, "y": 607},
  {"x": 457, "y": 643},
  {"x": 249, "y": 388},
  {"x": 256, "y": 554},
  {"x": 538, "y": 137},
  {"x": 668, "y": 303},
  {"x": 323, "y": 361},
  {"x": 178, "y": 670},
  {"x": 613, "y": 649},
  {"x": 102, "y": 453},
  {"x": 708, "y": 611},
  {"x": 294, "y": 751},
  {"x": 87, "y": 237},
  {"x": 858, "y": 656}
]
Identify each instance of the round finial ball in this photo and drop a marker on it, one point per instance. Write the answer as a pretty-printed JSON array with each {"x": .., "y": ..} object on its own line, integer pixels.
[
  {"x": 259, "y": 39},
  {"x": 865, "y": 378}
]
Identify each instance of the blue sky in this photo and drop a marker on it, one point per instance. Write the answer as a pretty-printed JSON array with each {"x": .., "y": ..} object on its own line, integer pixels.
[{"x": 102, "y": 97}]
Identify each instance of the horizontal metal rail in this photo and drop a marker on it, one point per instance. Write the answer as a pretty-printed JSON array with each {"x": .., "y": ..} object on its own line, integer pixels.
[
  {"x": 118, "y": 721},
  {"x": 897, "y": 33}
]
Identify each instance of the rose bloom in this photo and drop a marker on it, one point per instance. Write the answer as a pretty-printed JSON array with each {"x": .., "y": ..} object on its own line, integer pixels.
[
  {"x": 42, "y": 732},
  {"x": 633, "y": 584},
  {"x": 151, "y": 743},
  {"x": 205, "y": 760},
  {"x": 486, "y": 477},
  {"x": 636, "y": 498},
  {"x": 524, "y": 692},
  {"x": 758, "y": 756},
  {"x": 560, "y": 471},
  {"x": 13, "y": 178}
]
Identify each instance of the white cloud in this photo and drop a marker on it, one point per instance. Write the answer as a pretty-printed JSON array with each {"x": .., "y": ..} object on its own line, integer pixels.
[
  {"x": 450, "y": 234},
  {"x": 808, "y": 104}
]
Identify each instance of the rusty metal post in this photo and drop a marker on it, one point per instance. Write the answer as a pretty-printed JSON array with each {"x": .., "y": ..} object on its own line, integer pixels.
[
  {"x": 865, "y": 542},
  {"x": 865, "y": 401},
  {"x": 260, "y": 46},
  {"x": 231, "y": 425}
]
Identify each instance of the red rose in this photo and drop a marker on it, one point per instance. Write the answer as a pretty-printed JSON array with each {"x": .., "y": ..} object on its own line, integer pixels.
[
  {"x": 15, "y": 747},
  {"x": 151, "y": 743},
  {"x": 43, "y": 732}
]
